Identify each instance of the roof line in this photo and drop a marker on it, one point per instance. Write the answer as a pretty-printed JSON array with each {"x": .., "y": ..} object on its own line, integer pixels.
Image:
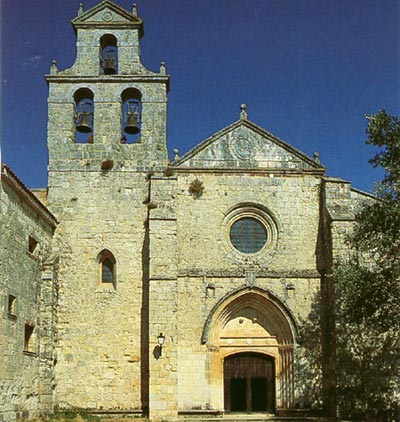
[
  {"x": 189, "y": 154},
  {"x": 362, "y": 192},
  {"x": 133, "y": 20},
  {"x": 253, "y": 170},
  {"x": 20, "y": 189}
]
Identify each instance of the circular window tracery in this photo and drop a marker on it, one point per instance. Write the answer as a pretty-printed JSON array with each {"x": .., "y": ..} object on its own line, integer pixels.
[
  {"x": 248, "y": 235},
  {"x": 250, "y": 230}
]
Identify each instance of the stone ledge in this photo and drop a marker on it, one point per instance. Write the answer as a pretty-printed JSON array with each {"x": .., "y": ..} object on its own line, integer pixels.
[
  {"x": 29, "y": 353},
  {"x": 12, "y": 317},
  {"x": 241, "y": 273}
]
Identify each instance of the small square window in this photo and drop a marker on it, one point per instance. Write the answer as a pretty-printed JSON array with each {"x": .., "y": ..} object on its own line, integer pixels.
[
  {"x": 11, "y": 304},
  {"x": 32, "y": 246},
  {"x": 29, "y": 344}
]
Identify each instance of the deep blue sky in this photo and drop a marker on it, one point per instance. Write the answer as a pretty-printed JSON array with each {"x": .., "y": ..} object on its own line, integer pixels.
[{"x": 308, "y": 71}]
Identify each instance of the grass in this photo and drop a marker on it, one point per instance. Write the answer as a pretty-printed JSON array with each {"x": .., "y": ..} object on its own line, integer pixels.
[
  {"x": 76, "y": 414},
  {"x": 73, "y": 415}
]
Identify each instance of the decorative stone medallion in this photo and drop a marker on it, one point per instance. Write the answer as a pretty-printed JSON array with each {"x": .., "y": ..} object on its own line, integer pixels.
[
  {"x": 244, "y": 148},
  {"x": 107, "y": 16}
]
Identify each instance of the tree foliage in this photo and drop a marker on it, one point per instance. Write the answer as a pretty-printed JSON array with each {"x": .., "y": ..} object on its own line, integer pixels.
[
  {"x": 367, "y": 343},
  {"x": 308, "y": 359},
  {"x": 367, "y": 297},
  {"x": 378, "y": 223},
  {"x": 368, "y": 289}
]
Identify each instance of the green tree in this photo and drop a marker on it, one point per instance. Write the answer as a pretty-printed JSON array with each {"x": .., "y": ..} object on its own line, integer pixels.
[
  {"x": 367, "y": 344},
  {"x": 367, "y": 300},
  {"x": 378, "y": 223},
  {"x": 368, "y": 290}
]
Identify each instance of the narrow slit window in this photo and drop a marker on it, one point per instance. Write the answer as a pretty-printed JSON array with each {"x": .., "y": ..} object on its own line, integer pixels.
[
  {"x": 29, "y": 343},
  {"x": 107, "y": 268},
  {"x": 32, "y": 244},
  {"x": 11, "y": 304}
]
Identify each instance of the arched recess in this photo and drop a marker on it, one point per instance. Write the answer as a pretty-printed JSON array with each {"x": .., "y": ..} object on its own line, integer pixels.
[{"x": 251, "y": 320}]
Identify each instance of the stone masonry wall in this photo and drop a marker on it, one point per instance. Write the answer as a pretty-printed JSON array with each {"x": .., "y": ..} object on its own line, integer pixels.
[
  {"x": 163, "y": 299},
  {"x": 25, "y": 370},
  {"x": 99, "y": 348},
  {"x": 103, "y": 351},
  {"x": 210, "y": 269},
  {"x": 342, "y": 205},
  {"x": 65, "y": 154},
  {"x": 293, "y": 203},
  {"x": 88, "y": 49}
]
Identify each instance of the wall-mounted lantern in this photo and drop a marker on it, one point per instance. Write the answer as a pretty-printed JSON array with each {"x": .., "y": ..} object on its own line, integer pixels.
[{"x": 161, "y": 341}]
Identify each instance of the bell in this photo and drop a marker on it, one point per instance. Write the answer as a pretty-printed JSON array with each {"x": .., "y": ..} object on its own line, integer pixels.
[
  {"x": 83, "y": 123},
  {"x": 131, "y": 127},
  {"x": 109, "y": 66}
]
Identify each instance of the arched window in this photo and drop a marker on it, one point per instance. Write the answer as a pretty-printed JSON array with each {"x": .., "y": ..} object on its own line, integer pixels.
[
  {"x": 108, "y": 55},
  {"x": 131, "y": 115},
  {"x": 107, "y": 268},
  {"x": 84, "y": 108}
]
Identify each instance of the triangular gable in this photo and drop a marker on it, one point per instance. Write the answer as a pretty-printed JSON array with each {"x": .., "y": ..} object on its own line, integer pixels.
[
  {"x": 106, "y": 14},
  {"x": 244, "y": 145}
]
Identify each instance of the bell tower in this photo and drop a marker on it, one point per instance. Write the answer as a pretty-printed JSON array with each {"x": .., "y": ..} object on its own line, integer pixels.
[
  {"x": 106, "y": 135},
  {"x": 107, "y": 111}
]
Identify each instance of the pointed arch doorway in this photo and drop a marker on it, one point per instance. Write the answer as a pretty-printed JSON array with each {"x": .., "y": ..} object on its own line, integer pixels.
[
  {"x": 249, "y": 383},
  {"x": 250, "y": 337}
]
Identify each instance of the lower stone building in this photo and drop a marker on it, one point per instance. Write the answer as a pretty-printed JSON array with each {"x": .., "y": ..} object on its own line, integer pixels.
[
  {"x": 153, "y": 287},
  {"x": 28, "y": 301}
]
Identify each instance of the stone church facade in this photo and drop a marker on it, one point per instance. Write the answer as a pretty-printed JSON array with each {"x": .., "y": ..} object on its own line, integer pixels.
[{"x": 141, "y": 285}]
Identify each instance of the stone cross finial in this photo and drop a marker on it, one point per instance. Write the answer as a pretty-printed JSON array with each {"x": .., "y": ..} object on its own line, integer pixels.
[
  {"x": 163, "y": 69},
  {"x": 134, "y": 9},
  {"x": 80, "y": 10},
  {"x": 53, "y": 67},
  {"x": 243, "y": 113}
]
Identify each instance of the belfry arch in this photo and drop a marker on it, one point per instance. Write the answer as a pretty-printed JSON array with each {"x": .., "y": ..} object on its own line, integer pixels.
[{"x": 251, "y": 325}]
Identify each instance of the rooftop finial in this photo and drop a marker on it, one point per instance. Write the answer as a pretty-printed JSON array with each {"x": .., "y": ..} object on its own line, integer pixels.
[
  {"x": 316, "y": 157},
  {"x": 134, "y": 9},
  {"x": 163, "y": 69},
  {"x": 53, "y": 68},
  {"x": 80, "y": 10},
  {"x": 243, "y": 112},
  {"x": 176, "y": 154}
]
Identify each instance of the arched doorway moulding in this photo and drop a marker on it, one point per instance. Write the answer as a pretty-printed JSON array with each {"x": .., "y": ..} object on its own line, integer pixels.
[
  {"x": 225, "y": 301},
  {"x": 251, "y": 319}
]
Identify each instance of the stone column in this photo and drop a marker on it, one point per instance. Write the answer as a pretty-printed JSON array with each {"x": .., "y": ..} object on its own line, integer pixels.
[
  {"x": 47, "y": 324},
  {"x": 163, "y": 301},
  {"x": 285, "y": 396}
]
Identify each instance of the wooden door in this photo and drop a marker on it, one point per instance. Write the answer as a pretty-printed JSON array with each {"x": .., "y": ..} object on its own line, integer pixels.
[{"x": 249, "y": 383}]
